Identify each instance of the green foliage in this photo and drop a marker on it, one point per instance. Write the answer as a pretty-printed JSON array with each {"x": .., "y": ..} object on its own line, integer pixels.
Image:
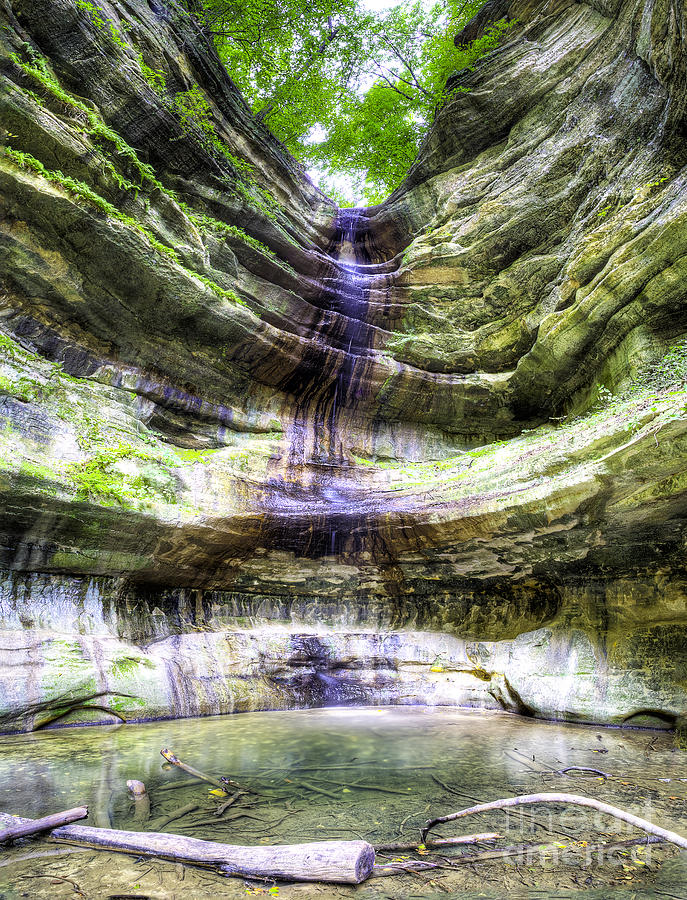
[
  {"x": 9, "y": 348},
  {"x": 603, "y": 396},
  {"x": 193, "y": 110},
  {"x": 349, "y": 92},
  {"x": 40, "y": 473},
  {"x": 26, "y": 389},
  {"x": 670, "y": 371},
  {"x": 379, "y": 133},
  {"x": 97, "y": 128},
  {"x": 102, "y": 22},
  {"x": 191, "y": 455},
  {"x": 41, "y": 386},
  {"x": 233, "y": 232},
  {"x": 374, "y": 140},
  {"x": 107, "y": 26},
  {"x": 85, "y": 193},
  {"x": 195, "y": 114},
  {"x": 442, "y": 58},
  {"x": 232, "y": 296},
  {"x": 72, "y": 185},
  {"x": 292, "y": 59},
  {"x": 153, "y": 77},
  {"x": 664, "y": 378},
  {"x": 100, "y": 477},
  {"x": 123, "y": 666}
]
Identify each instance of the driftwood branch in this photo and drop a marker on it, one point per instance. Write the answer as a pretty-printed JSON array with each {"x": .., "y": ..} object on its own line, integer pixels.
[
  {"x": 318, "y": 790},
  {"x": 671, "y": 837},
  {"x": 27, "y": 827},
  {"x": 58, "y": 878},
  {"x": 217, "y": 782}
]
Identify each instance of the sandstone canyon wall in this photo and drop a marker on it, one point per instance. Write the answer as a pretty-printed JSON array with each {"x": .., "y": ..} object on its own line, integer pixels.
[{"x": 259, "y": 452}]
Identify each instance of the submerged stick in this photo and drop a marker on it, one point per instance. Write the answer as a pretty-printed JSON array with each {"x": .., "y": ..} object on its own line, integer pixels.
[
  {"x": 391, "y": 868},
  {"x": 27, "y": 827},
  {"x": 141, "y": 801},
  {"x": 586, "y": 769},
  {"x": 57, "y": 878},
  {"x": 441, "y": 842},
  {"x": 377, "y": 787},
  {"x": 309, "y": 786},
  {"x": 217, "y": 782},
  {"x": 346, "y": 862},
  {"x": 227, "y": 803},
  {"x": 174, "y": 785},
  {"x": 671, "y": 837},
  {"x": 176, "y": 814},
  {"x": 214, "y": 822}
]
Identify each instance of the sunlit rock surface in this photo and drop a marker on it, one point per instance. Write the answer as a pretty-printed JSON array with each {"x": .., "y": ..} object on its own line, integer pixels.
[{"x": 256, "y": 452}]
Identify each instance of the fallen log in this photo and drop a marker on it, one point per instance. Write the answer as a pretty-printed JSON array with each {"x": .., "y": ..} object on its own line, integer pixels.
[
  {"x": 27, "y": 827},
  {"x": 671, "y": 837},
  {"x": 346, "y": 862},
  {"x": 317, "y": 790}
]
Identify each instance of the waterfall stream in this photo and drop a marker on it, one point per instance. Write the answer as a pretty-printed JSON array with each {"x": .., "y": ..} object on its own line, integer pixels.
[{"x": 316, "y": 487}]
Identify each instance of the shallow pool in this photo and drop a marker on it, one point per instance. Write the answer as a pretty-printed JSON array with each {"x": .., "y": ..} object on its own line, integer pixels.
[{"x": 344, "y": 772}]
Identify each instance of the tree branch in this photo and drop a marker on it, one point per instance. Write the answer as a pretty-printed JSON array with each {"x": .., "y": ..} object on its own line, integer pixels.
[{"x": 527, "y": 799}]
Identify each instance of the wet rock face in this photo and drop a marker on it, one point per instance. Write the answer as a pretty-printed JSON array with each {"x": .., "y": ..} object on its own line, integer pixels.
[
  {"x": 94, "y": 652},
  {"x": 225, "y": 404}
]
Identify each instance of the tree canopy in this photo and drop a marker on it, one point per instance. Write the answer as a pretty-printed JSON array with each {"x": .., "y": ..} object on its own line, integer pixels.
[{"x": 348, "y": 90}]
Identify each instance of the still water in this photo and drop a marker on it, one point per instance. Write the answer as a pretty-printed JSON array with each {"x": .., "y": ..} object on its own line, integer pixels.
[{"x": 342, "y": 773}]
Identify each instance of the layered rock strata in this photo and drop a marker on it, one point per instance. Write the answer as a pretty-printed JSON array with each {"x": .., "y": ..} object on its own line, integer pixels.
[{"x": 259, "y": 452}]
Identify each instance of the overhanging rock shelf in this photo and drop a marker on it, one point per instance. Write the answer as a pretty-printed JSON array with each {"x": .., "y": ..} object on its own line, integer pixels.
[{"x": 258, "y": 452}]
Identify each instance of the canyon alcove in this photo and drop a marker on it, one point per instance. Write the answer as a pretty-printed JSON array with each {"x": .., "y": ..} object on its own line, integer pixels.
[{"x": 260, "y": 454}]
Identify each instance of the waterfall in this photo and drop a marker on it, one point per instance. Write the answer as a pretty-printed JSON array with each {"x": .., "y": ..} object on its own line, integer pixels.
[{"x": 316, "y": 490}]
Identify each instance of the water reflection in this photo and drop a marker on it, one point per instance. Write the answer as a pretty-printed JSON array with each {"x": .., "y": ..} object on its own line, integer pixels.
[{"x": 400, "y": 750}]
